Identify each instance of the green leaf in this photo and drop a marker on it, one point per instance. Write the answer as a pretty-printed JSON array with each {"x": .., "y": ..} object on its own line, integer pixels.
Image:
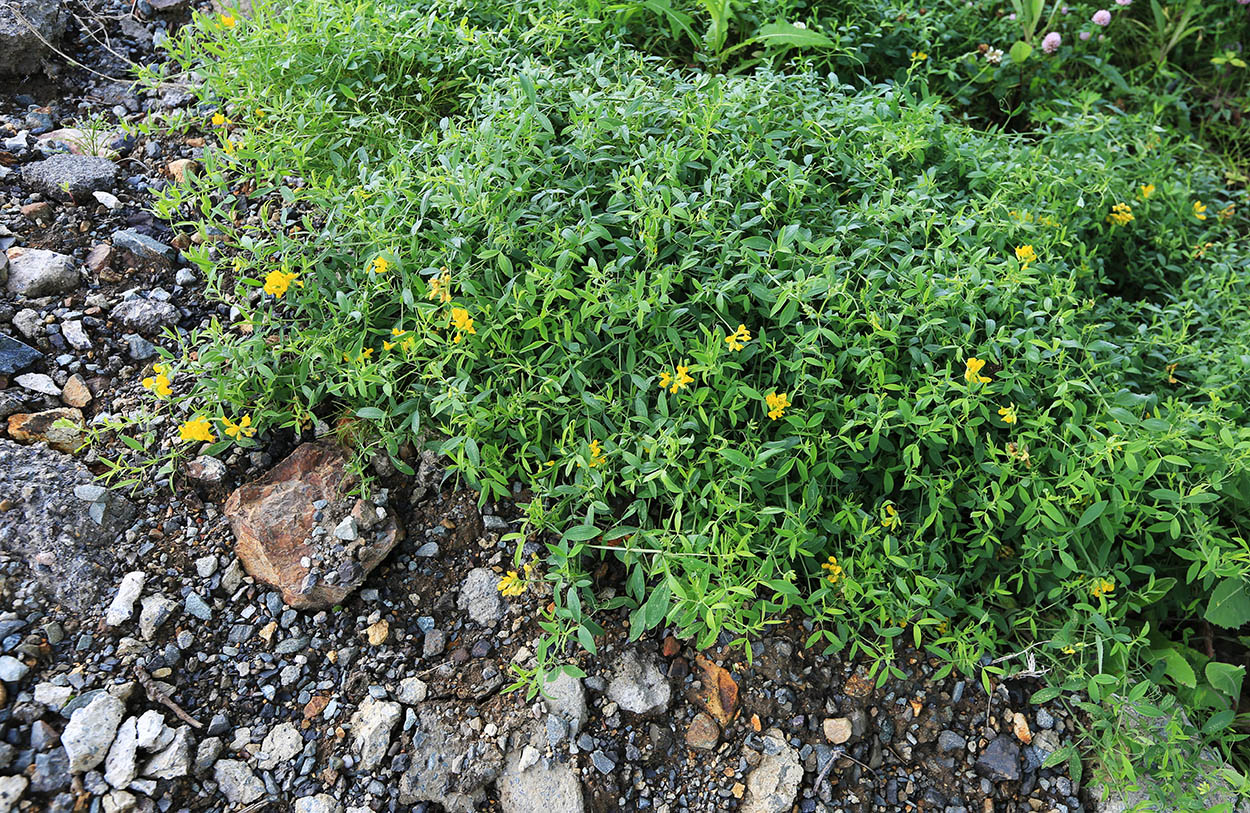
[
  {"x": 1229, "y": 606},
  {"x": 788, "y": 35},
  {"x": 657, "y": 605},
  {"x": 1225, "y": 678},
  {"x": 1176, "y": 667},
  {"x": 1020, "y": 51},
  {"x": 581, "y": 533},
  {"x": 1092, "y": 513},
  {"x": 370, "y": 413}
]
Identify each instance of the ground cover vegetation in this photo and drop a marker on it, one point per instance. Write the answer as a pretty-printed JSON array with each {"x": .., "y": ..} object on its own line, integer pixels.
[{"x": 927, "y": 323}]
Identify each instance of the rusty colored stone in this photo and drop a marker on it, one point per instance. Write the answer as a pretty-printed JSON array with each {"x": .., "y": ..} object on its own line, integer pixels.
[
  {"x": 272, "y": 520},
  {"x": 32, "y": 427},
  {"x": 703, "y": 733}
]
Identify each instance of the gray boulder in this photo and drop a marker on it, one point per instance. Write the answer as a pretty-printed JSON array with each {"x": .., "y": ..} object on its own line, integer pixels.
[
  {"x": 25, "y": 25},
  {"x": 72, "y": 178},
  {"x": 442, "y": 769},
  {"x": 36, "y": 272}
]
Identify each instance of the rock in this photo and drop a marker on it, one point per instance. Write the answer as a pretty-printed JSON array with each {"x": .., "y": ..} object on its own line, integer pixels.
[
  {"x": 564, "y": 696},
  {"x": 139, "y": 348},
  {"x": 1020, "y": 727},
  {"x": 53, "y": 696},
  {"x": 25, "y": 39},
  {"x": 36, "y": 272},
  {"x": 15, "y": 356},
  {"x": 91, "y": 731},
  {"x": 121, "y": 765},
  {"x": 11, "y": 790},
  {"x": 552, "y": 788},
  {"x": 637, "y": 685},
  {"x": 150, "y": 729},
  {"x": 838, "y": 730},
  {"x": 51, "y": 772},
  {"x": 40, "y": 212},
  {"x": 141, "y": 250},
  {"x": 180, "y": 168},
  {"x": 237, "y": 782},
  {"x": 479, "y": 597},
  {"x": 120, "y": 801},
  {"x": 156, "y": 611},
  {"x": 52, "y": 530},
  {"x": 76, "y": 335},
  {"x": 11, "y": 669},
  {"x": 281, "y": 745},
  {"x": 206, "y": 755},
  {"x": 197, "y": 607},
  {"x": 145, "y": 315},
  {"x": 109, "y": 201},
  {"x": 76, "y": 393},
  {"x": 440, "y": 770},
  {"x": 774, "y": 784},
  {"x": 1000, "y": 761},
  {"x": 703, "y": 733},
  {"x": 175, "y": 759},
  {"x": 123, "y": 604},
  {"x": 60, "y": 428},
  {"x": 950, "y": 741},
  {"x": 71, "y": 178},
  {"x": 371, "y": 730},
  {"x": 38, "y": 382},
  {"x": 411, "y": 691},
  {"x": 29, "y": 323},
  {"x": 99, "y": 258},
  {"x": 207, "y": 475},
  {"x": 321, "y": 803},
  {"x": 272, "y": 520}
]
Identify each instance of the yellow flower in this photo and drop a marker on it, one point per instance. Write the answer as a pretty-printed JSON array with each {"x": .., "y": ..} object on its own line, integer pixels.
[
  {"x": 777, "y": 403},
  {"x": 1026, "y": 255},
  {"x": 1200, "y": 210},
  {"x": 1146, "y": 190},
  {"x": 242, "y": 429},
  {"x": 1008, "y": 414},
  {"x": 677, "y": 381},
  {"x": 833, "y": 570},
  {"x": 892, "y": 520},
  {"x": 739, "y": 338},
  {"x": 388, "y": 345},
  {"x": 197, "y": 429},
  {"x": 229, "y": 146},
  {"x": 597, "y": 458},
  {"x": 972, "y": 371},
  {"x": 228, "y": 20},
  {"x": 1101, "y": 587},
  {"x": 511, "y": 585},
  {"x": 463, "y": 324},
  {"x": 219, "y": 120},
  {"x": 158, "y": 385},
  {"x": 440, "y": 288},
  {"x": 380, "y": 265},
  {"x": 1121, "y": 214},
  {"x": 277, "y": 282},
  {"x": 1227, "y": 212},
  {"x": 919, "y": 56},
  {"x": 666, "y": 378},
  {"x": 366, "y": 354}
]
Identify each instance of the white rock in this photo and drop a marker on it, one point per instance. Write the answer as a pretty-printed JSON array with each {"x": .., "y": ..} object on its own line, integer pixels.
[
  {"x": 280, "y": 746},
  {"x": 35, "y": 272},
  {"x": 237, "y": 782},
  {"x": 321, "y": 803},
  {"x": 774, "y": 784},
  {"x": 38, "y": 382},
  {"x": 371, "y": 730},
  {"x": 638, "y": 685},
  {"x": 123, "y": 605},
  {"x": 11, "y": 669},
  {"x": 565, "y": 697},
  {"x": 411, "y": 691},
  {"x": 76, "y": 335},
  {"x": 206, "y": 566},
  {"x": 53, "y": 696},
  {"x": 11, "y": 790},
  {"x": 120, "y": 801},
  {"x": 108, "y": 200},
  {"x": 151, "y": 726},
  {"x": 156, "y": 611},
  {"x": 175, "y": 759},
  {"x": 479, "y": 597},
  {"x": 120, "y": 767},
  {"x": 90, "y": 732}
]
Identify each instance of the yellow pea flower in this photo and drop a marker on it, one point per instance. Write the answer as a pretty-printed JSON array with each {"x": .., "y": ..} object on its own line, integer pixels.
[
  {"x": 777, "y": 404},
  {"x": 228, "y": 20},
  {"x": 380, "y": 265},
  {"x": 1200, "y": 209},
  {"x": 242, "y": 429},
  {"x": 972, "y": 371},
  {"x": 1121, "y": 214},
  {"x": 739, "y": 338},
  {"x": 158, "y": 385},
  {"x": 1146, "y": 190},
  {"x": 197, "y": 429},
  {"x": 1008, "y": 414},
  {"x": 277, "y": 282},
  {"x": 1026, "y": 255}
]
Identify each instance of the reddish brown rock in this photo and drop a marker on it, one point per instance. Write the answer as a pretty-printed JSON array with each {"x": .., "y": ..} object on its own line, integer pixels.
[
  {"x": 99, "y": 258},
  {"x": 40, "y": 212},
  {"x": 273, "y": 522},
  {"x": 32, "y": 427},
  {"x": 703, "y": 732},
  {"x": 76, "y": 393}
]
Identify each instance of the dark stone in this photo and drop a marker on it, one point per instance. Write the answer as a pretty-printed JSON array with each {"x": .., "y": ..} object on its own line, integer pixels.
[
  {"x": 15, "y": 356},
  {"x": 1000, "y": 761}
]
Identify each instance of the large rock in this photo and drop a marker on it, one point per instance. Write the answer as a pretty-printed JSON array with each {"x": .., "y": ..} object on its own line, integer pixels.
[
  {"x": 25, "y": 27},
  {"x": 551, "y": 787},
  {"x": 121, "y": 765},
  {"x": 141, "y": 250},
  {"x": 71, "y": 178},
  {"x": 1000, "y": 761},
  {"x": 60, "y": 428},
  {"x": 36, "y": 272},
  {"x": 273, "y": 522},
  {"x": 638, "y": 685},
  {"x": 371, "y": 730},
  {"x": 11, "y": 790},
  {"x": 774, "y": 784},
  {"x": 90, "y": 732},
  {"x": 174, "y": 760},
  {"x": 145, "y": 315},
  {"x": 15, "y": 356},
  {"x": 237, "y": 782},
  {"x": 52, "y": 529},
  {"x": 441, "y": 769},
  {"x": 479, "y": 597}
]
